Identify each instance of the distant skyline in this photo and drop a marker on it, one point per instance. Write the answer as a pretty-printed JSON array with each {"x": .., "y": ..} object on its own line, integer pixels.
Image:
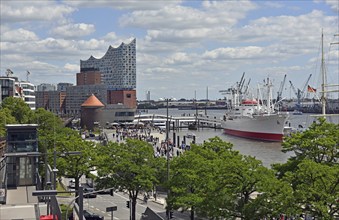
[{"x": 183, "y": 47}]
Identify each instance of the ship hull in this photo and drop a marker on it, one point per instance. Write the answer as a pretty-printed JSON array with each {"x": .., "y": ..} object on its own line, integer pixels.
[{"x": 260, "y": 127}]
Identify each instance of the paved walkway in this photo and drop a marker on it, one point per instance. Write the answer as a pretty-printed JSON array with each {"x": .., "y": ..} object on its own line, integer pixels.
[
  {"x": 21, "y": 204},
  {"x": 21, "y": 195}
]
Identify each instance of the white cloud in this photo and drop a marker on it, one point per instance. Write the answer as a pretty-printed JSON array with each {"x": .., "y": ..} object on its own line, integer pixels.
[
  {"x": 72, "y": 67},
  {"x": 178, "y": 58},
  {"x": 213, "y": 13},
  {"x": 109, "y": 36},
  {"x": 123, "y": 5},
  {"x": 73, "y": 30},
  {"x": 24, "y": 11},
  {"x": 334, "y": 4},
  {"x": 252, "y": 52},
  {"x": 18, "y": 35}
]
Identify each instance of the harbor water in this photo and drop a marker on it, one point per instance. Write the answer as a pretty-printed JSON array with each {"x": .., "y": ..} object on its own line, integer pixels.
[{"x": 268, "y": 152}]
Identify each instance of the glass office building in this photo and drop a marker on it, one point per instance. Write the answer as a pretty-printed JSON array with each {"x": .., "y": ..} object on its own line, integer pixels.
[{"x": 22, "y": 154}]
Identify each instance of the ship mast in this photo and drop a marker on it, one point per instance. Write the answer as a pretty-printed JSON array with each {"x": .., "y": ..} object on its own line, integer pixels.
[{"x": 323, "y": 76}]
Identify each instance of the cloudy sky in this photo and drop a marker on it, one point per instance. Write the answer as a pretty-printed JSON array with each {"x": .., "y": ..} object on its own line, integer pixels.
[{"x": 183, "y": 47}]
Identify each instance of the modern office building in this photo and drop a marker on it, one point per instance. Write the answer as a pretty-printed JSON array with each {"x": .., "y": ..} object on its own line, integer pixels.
[
  {"x": 62, "y": 87},
  {"x": 117, "y": 66},
  {"x": 76, "y": 95},
  {"x": 10, "y": 87},
  {"x": 53, "y": 101},
  {"x": 88, "y": 78},
  {"x": 22, "y": 155},
  {"x": 28, "y": 90},
  {"x": 126, "y": 97},
  {"x": 45, "y": 87},
  {"x": 7, "y": 87}
]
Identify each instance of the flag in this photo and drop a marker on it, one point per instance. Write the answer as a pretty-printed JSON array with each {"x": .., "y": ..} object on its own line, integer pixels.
[{"x": 310, "y": 89}]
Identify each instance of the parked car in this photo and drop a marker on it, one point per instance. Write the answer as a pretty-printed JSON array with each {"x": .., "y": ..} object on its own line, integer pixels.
[
  {"x": 88, "y": 216},
  {"x": 89, "y": 190},
  {"x": 71, "y": 183},
  {"x": 92, "y": 216}
]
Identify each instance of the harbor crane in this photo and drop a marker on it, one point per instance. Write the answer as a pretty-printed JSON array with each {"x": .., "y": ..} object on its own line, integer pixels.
[
  {"x": 281, "y": 88},
  {"x": 300, "y": 93}
]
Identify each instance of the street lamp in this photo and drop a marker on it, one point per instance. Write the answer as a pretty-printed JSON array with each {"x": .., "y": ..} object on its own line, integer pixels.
[
  {"x": 168, "y": 165},
  {"x": 55, "y": 170},
  {"x": 55, "y": 153}
]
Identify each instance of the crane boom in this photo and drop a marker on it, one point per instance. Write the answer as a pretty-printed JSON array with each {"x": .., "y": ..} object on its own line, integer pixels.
[
  {"x": 294, "y": 89},
  {"x": 242, "y": 81},
  {"x": 281, "y": 89},
  {"x": 306, "y": 83}
]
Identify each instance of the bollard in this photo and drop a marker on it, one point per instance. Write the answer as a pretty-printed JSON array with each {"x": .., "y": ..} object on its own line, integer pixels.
[{"x": 174, "y": 139}]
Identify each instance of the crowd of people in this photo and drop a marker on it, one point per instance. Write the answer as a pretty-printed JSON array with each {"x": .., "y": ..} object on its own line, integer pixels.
[{"x": 152, "y": 135}]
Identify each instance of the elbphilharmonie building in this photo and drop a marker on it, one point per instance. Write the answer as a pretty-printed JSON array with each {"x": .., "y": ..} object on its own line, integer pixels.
[{"x": 117, "y": 66}]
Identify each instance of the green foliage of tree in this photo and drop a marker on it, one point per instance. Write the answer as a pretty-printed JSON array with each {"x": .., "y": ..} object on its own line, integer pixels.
[
  {"x": 6, "y": 118},
  {"x": 19, "y": 109},
  {"x": 128, "y": 166},
  {"x": 50, "y": 126},
  {"x": 189, "y": 179},
  {"x": 73, "y": 165},
  {"x": 215, "y": 181},
  {"x": 319, "y": 143},
  {"x": 312, "y": 171},
  {"x": 316, "y": 188}
]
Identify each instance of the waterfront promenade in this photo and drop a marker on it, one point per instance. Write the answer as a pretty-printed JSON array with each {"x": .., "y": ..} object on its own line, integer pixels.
[{"x": 155, "y": 136}]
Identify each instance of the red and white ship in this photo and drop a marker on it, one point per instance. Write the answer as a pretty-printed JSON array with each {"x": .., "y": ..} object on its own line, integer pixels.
[{"x": 249, "y": 118}]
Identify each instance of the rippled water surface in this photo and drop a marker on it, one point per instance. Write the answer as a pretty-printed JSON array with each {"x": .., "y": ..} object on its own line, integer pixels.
[{"x": 267, "y": 152}]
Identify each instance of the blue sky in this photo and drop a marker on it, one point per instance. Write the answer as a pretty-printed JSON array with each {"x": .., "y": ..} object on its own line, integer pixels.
[{"x": 183, "y": 47}]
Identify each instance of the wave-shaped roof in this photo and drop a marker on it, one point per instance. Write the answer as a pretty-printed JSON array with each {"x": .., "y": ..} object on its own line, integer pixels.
[{"x": 110, "y": 48}]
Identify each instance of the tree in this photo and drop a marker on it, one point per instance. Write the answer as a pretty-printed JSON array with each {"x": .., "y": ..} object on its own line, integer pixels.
[
  {"x": 50, "y": 126},
  {"x": 127, "y": 166},
  {"x": 19, "y": 109},
  {"x": 215, "y": 181},
  {"x": 73, "y": 165},
  {"x": 316, "y": 188},
  {"x": 319, "y": 143},
  {"x": 6, "y": 118},
  {"x": 189, "y": 180},
  {"x": 312, "y": 172}
]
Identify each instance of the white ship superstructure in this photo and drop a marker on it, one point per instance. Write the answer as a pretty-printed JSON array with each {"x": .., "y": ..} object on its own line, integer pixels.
[{"x": 252, "y": 118}]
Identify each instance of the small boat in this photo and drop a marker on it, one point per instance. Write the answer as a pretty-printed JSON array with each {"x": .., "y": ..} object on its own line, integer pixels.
[
  {"x": 192, "y": 126},
  {"x": 296, "y": 112},
  {"x": 190, "y": 135}
]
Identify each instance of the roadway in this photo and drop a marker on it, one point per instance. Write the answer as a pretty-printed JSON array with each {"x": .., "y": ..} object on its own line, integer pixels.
[{"x": 99, "y": 204}]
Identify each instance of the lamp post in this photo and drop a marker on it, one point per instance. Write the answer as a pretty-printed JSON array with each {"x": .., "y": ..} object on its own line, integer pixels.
[
  {"x": 55, "y": 170},
  {"x": 168, "y": 165}
]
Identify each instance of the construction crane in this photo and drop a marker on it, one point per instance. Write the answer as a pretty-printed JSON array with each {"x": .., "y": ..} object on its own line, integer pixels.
[
  {"x": 300, "y": 93},
  {"x": 279, "y": 98}
]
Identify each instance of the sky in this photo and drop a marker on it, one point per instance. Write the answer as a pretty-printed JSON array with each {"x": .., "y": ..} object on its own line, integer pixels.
[{"x": 185, "y": 49}]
